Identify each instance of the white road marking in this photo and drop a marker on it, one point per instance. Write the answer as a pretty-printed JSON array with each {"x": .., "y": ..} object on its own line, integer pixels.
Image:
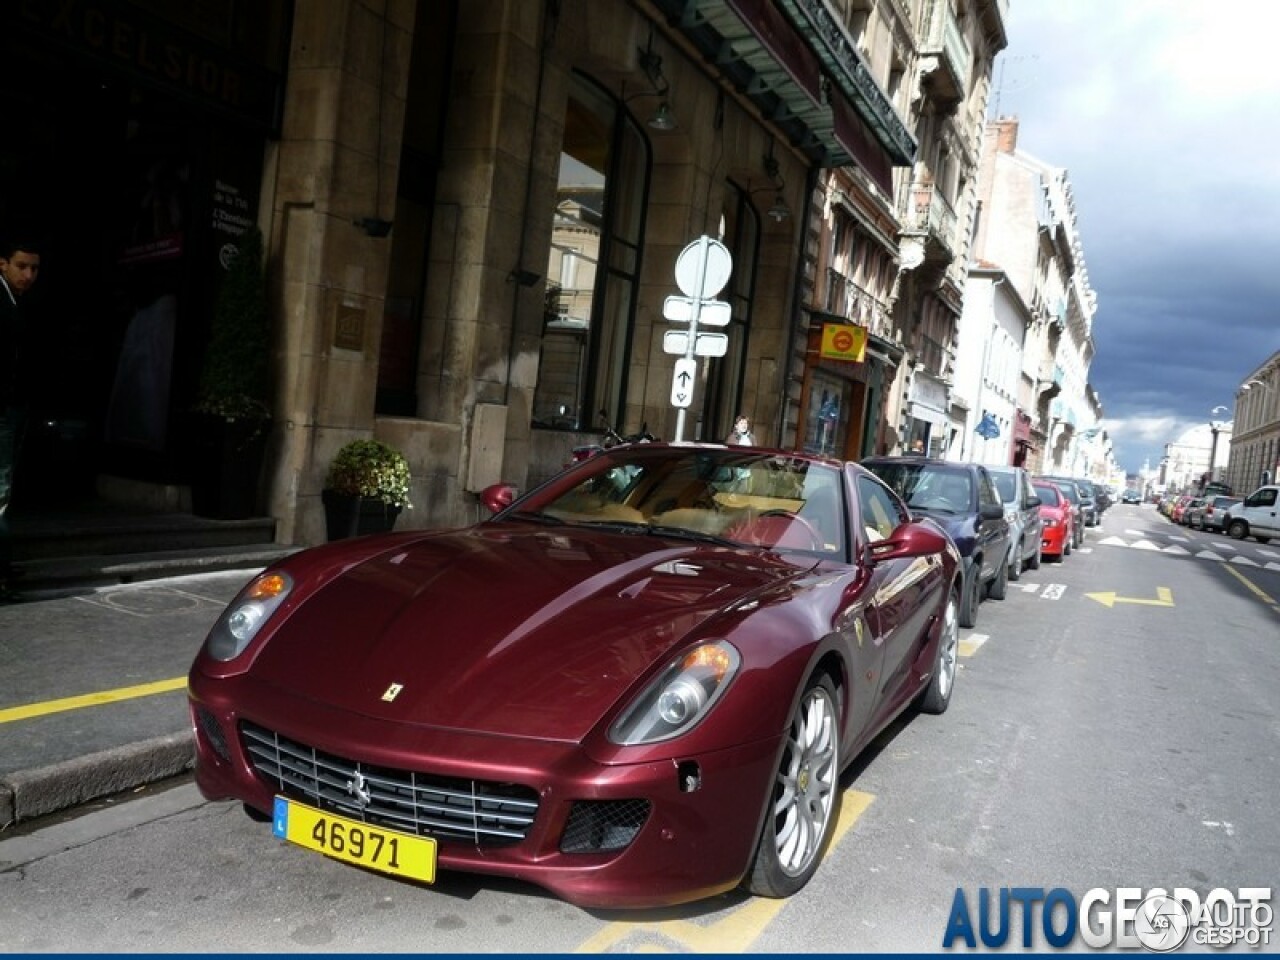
[
  {"x": 1210, "y": 555},
  {"x": 1270, "y": 554},
  {"x": 1177, "y": 550},
  {"x": 1112, "y": 542},
  {"x": 1144, "y": 545},
  {"x": 1244, "y": 562},
  {"x": 1053, "y": 591}
]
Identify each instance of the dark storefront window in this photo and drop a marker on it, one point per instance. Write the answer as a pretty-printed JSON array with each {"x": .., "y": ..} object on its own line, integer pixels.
[{"x": 594, "y": 264}]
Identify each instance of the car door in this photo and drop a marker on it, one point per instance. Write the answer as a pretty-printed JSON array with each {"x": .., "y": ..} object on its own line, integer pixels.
[
  {"x": 1031, "y": 509},
  {"x": 1263, "y": 515},
  {"x": 992, "y": 531},
  {"x": 902, "y": 594}
]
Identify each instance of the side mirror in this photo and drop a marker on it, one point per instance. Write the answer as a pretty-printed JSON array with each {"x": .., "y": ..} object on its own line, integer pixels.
[
  {"x": 908, "y": 540},
  {"x": 991, "y": 511},
  {"x": 1034, "y": 500},
  {"x": 497, "y": 497}
]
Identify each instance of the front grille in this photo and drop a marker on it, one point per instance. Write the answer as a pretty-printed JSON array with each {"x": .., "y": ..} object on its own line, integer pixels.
[
  {"x": 601, "y": 825},
  {"x": 479, "y": 812}
]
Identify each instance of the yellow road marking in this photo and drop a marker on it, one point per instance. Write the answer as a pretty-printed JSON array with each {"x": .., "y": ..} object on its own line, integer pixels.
[
  {"x": 1164, "y": 598},
  {"x": 1258, "y": 591},
  {"x": 733, "y": 933},
  {"x": 46, "y": 707},
  {"x": 969, "y": 646}
]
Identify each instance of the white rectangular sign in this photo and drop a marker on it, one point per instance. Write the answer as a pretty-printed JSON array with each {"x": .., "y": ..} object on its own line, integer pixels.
[
  {"x": 714, "y": 313},
  {"x": 705, "y": 345}
]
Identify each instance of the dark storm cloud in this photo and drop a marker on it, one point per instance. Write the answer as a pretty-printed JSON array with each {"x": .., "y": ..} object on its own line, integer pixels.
[{"x": 1166, "y": 117}]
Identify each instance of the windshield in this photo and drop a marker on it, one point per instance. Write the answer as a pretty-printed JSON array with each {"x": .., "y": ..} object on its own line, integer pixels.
[
  {"x": 1005, "y": 483},
  {"x": 928, "y": 487},
  {"x": 1048, "y": 494},
  {"x": 768, "y": 500}
]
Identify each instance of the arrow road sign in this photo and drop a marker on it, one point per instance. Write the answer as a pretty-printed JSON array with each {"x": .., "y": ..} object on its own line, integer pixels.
[{"x": 682, "y": 382}]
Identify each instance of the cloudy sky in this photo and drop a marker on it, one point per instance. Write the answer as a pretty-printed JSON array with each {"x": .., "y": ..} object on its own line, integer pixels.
[{"x": 1166, "y": 115}]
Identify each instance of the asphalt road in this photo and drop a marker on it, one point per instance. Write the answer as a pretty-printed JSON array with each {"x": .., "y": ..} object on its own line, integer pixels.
[{"x": 1115, "y": 725}]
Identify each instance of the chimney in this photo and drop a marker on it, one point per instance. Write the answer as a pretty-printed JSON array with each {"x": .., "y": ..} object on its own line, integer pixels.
[{"x": 1006, "y": 134}]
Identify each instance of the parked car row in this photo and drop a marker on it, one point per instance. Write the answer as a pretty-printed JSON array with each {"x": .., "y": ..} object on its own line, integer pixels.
[
  {"x": 1001, "y": 519},
  {"x": 1256, "y": 515}
]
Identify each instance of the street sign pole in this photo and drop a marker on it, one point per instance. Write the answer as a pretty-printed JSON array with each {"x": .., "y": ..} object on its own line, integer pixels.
[{"x": 702, "y": 270}]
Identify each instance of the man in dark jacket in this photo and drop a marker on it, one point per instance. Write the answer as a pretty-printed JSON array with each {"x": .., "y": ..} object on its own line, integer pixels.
[{"x": 19, "y": 267}]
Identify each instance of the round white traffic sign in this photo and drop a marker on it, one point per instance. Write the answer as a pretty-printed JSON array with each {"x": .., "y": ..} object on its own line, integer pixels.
[{"x": 703, "y": 268}]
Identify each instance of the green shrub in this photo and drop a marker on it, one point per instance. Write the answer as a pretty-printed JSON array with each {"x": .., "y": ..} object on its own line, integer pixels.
[
  {"x": 235, "y": 377},
  {"x": 371, "y": 469}
]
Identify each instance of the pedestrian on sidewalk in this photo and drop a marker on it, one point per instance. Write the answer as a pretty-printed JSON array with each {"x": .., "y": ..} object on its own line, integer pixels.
[{"x": 19, "y": 268}]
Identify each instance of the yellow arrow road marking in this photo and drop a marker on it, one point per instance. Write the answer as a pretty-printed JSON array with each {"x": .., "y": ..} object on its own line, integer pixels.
[
  {"x": 90, "y": 699},
  {"x": 733, "y": 933},
  {"x": 1164, "y": 598}
]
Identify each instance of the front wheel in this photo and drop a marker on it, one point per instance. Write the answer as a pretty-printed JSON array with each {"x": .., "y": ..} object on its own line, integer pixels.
[
  {"x": 1238, "y": 530},
  {"x": 1035, "y": 557},
  {"x": 937, "y": 696},
  {"x": 805, "y": 798},
  {"x": 999, "y": 587},
  {"x": 1015, "y": 563}
]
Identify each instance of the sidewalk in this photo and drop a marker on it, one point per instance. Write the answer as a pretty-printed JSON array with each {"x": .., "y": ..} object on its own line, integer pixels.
[{"x": 93, "y": 689}]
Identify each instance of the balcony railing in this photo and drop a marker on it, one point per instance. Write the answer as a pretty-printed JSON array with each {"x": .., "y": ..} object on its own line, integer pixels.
[
  {"x": 944, "y": 41},
  {"x": 929, "y": 213},
  {"x": 845, "y": 298}
]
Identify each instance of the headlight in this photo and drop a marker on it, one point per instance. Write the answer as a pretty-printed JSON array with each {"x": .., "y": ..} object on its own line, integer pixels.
[
  {"x": 1051, "y": 521},
  {"x": 242, "y": 620},
  {"x": 678, "y": 697}
]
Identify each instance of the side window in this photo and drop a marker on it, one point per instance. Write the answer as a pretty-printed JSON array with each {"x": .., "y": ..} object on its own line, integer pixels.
[
  {"x": 1267, "y": 498},
  {"x": 880, "y": 514},
  {"x": 987, "y": 493}
]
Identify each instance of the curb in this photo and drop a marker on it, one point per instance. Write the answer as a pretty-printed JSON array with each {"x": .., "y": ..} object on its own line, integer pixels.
[{"x": 27, "y": 794}]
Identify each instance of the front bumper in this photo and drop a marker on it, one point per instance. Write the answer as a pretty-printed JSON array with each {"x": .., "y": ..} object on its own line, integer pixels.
[{"x": 696, "y": 840}]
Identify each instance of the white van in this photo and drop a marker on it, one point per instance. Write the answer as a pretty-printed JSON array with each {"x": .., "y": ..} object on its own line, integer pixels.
[{"x": 1257, "y": 516}]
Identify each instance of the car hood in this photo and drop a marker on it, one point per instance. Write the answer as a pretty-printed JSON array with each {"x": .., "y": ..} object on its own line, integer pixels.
[{"x": 505, "y": 630}]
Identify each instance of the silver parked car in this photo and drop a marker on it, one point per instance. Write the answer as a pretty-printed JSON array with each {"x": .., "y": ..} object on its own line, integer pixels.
[
  {"x": 1022, "y": 510},
  {"x": 1212, "y": 514}
]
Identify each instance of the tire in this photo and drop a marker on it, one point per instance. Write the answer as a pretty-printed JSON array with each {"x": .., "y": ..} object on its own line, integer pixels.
[
  {"x": 1262, "y": 539},
  {"x": 1034, "y": 562},
  {"x": 804, "y": 799},
  {"x": 937, "y": 695},
  {"x": 970, "y": 599},
  {"x": 1015, "y": 565},
  {"x": 1238, "y": 530},
  {"x": 998, "y": 588}
]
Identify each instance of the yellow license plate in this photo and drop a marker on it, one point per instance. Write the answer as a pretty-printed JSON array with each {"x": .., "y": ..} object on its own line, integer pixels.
[{"x": 388, "y": 851}]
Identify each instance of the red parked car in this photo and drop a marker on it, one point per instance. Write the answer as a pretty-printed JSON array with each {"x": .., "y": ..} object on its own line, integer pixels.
[
  {"x": 1058, "y": 514},
  {"x": 640, "y": 684}
]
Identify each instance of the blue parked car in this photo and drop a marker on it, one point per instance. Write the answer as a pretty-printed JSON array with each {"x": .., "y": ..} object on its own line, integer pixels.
[{"x": 962, "y": 498}]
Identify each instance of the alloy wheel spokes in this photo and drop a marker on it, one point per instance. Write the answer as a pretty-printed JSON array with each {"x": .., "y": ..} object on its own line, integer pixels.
[{"x": 806, "y": 783}]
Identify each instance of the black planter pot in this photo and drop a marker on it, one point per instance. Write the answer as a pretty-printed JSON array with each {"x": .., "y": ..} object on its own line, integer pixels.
[
  {"x": 227, "y": 459},
  {"x": 347, "y": 515}
]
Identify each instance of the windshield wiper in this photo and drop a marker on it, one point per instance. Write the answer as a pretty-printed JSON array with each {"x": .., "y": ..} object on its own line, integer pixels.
[
  {"x": 659, "y": 530},
  {"x": 543, "y": 518}
]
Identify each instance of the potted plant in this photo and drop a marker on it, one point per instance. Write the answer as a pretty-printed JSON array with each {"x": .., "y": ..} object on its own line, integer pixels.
[
  {"x": 231, "y": 410},
  {"x": 365, "y": 489}
]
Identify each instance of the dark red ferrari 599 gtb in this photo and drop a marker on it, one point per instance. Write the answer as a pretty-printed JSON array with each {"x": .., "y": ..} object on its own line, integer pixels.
[{"x": 636, "y": 685}]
